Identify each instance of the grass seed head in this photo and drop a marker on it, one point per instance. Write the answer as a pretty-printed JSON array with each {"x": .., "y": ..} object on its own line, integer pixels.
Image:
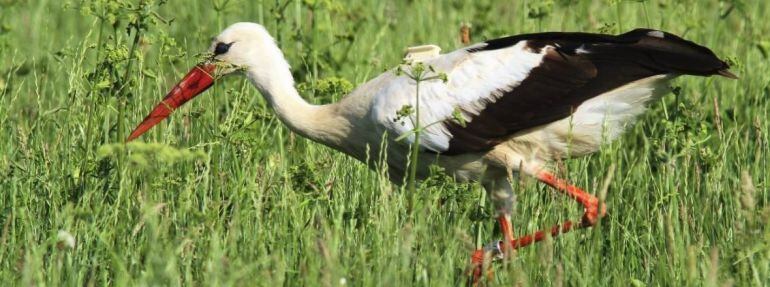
[
  {"x": 65, "y": 240},
  {"x": 747, "y": 192}
]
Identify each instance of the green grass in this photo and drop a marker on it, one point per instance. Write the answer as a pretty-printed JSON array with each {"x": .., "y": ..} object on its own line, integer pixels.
[{"x": 231, "y": 197}]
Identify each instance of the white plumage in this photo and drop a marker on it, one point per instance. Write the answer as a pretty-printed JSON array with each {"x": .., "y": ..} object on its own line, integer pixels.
[
  {"x": 474, "y": 80},
  {"x": 603, "y": 118}
]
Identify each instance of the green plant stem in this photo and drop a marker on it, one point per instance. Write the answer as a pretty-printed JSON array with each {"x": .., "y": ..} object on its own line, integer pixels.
[
  {"x": 415, "y": 150},
  {"x": 91, "y": 109},
  {"x": 126, "y": 75}
]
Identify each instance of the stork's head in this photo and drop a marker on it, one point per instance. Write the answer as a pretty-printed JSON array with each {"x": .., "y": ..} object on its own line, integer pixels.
[{"x": 241, "y": 47}]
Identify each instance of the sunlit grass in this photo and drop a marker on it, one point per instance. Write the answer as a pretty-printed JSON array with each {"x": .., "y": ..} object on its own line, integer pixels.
[{"x": 223, "y": 194}]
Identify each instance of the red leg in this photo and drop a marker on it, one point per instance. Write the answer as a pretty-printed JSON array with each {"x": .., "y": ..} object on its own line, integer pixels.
[
  {"x": 590, "y": 217},
  {"x": 590, "y": 204},
  {"x": 492, "y": 251},
  {"x": 480, "y": 262},
  {"x": 505, "y": 227}
]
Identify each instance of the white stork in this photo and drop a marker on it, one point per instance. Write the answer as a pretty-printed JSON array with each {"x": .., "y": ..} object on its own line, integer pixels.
[{"x": 528, "y": 100}]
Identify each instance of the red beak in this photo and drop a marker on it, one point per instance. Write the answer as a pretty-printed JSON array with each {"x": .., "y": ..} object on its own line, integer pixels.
[{"x": 194, "y": 83}]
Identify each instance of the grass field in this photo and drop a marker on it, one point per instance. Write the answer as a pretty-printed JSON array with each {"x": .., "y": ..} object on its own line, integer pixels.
[{"x": 223, "y": 194}]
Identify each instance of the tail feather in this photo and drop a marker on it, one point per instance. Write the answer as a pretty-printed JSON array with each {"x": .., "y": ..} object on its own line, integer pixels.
[
  {"x": 671, "y": 53},
  {"x": 727, "y": 74}
]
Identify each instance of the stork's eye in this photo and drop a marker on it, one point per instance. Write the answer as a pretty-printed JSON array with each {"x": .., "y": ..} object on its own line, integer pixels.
[{"x": 222, "y": 48}]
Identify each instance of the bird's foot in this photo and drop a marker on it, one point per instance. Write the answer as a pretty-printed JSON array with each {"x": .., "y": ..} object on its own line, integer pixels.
[
  {"x": 481, "y": 259},
  {"x": 592, "y": 212}
]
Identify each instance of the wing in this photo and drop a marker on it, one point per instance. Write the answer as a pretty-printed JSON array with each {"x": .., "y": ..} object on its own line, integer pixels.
[
  {"x": 474, "y": 81},
  {"x": 509, "y": 85}
]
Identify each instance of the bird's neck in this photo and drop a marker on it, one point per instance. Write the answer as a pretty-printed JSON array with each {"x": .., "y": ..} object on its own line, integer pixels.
[{"x": 320, "y": 123}]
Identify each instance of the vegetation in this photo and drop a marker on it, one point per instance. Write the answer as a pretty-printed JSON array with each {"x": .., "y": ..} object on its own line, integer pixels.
[{"x": 223, "y": 194}]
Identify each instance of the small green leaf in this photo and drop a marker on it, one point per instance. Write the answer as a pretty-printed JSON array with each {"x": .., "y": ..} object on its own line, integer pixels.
[
  {"x": 444, "y": 78},
  {"x": 102, "y": 85},
  {"x": 457, "y": 114}
]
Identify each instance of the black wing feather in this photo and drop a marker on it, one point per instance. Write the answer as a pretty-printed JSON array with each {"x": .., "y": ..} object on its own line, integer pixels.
[{"x": 566, "y": 78}]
